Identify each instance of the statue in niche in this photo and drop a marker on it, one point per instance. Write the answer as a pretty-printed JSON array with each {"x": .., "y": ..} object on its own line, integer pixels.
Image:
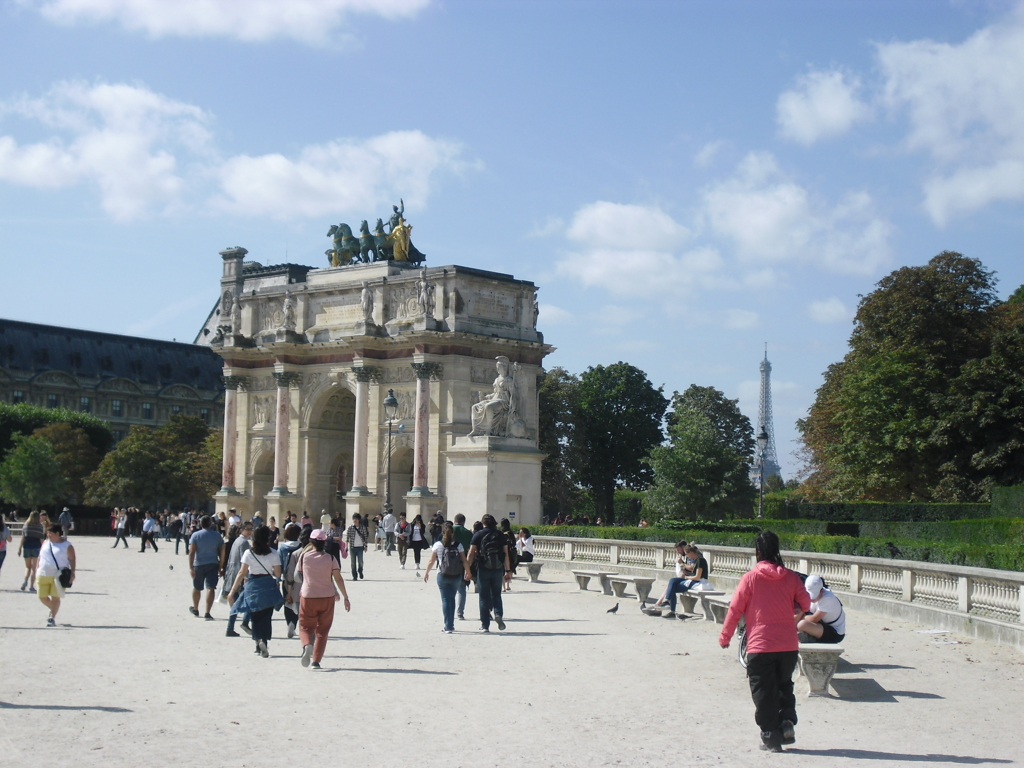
[
  {"x": 536, "y": 311},
  {"x": 499, "y": 414},
  {"x": 288, "y": 322},
  {"x": 236, "y": 318},
  {"x": 366, "y": 301},
  {"x": 425, "y": 295}
]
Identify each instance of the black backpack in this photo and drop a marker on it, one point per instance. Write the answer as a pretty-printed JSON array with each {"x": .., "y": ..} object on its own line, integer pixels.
[
  {"x": 450, "y": 562},
  {"x": 490, "y": 550}
]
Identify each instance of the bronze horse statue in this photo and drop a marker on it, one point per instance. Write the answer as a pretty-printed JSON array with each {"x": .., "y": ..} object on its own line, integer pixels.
[
  {"x": 346, "y": 247},
  {"x": 368, "y": 244}
]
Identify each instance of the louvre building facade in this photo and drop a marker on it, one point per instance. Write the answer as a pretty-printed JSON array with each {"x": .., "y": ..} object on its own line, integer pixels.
[{"x": 123, "y": 380}]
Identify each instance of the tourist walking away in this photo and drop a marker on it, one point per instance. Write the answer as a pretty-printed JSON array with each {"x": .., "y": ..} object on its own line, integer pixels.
[
  {"x": 770, "y": 598},
  {"x": 357, "y": 537},
  {"x": 403, "y": 530},
  {"x": 32, "y": 536},
  {"x": 122, "y": 529},
  {"x": 489, "y": 548},
  {"x": 149, "y": 532},
  {"x": 525, "y": 546},
  {"x": 452, "y": 570},
  {"x": 826, "y": 621},
  {"x": 378, "y": 533},
  {"x": 320, "y": 574},
  {"x": 205, "y": 547},
  {"x": 56, "y": 570},
  {"x": 417, "y": 538},
  {"x": 513, "y": 552},
  {"x": 5, "y": 539},
  {"x": 239, "y": 537},
  {"x": 260, "y": 570},
  {"x": 389, "y": 530},
  {"x": 325, "y": 520},
  {"x": 67, "y": 523},
  {"x": 284, "y": 553},
  {"x": 465, "y": 537},
  {"x": 688, "y": 577},
  {"x": 175, "y": 529}
]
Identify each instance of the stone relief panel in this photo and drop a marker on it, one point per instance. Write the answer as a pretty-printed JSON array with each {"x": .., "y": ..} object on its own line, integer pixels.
[
  {"x": 57, "y": 377},
  {"x": 261, "y": 384},
  {"x": 493, "y": 305},
  {"x": 406, "y": 404},
  {"x": 400, "y": 375},
  {"x": 180, "y": 391},
  {"x": 335, "y": 310},
  {"x": 401, "y": 304},
  {"x": 482, "y": 375},
  {"x": 269, "y": 315},
  {"x": 264, "y": 410},
  {"x": 120, "y": 385}
]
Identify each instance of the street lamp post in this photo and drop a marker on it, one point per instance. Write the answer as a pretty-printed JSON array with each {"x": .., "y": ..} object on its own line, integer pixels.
[
  {"x": 762, "y": 443},
  {"x": 390, "y": 410}
]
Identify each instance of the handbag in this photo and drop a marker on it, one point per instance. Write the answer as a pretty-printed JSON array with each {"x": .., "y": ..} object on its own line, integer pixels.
[
  {"x": 280, "y": 597},
  {"x": 65, "y": 573}
]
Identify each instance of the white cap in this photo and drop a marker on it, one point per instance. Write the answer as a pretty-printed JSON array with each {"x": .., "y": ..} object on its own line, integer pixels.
[{"x": 814, "y": 585}]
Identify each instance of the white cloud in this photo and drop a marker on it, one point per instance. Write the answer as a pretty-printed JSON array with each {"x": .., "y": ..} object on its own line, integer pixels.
[
  {"x": 310, "y": 21},
  {"x": 344, "y": 175},
  {"x": 549, "y": 314},
  {"x": 706, "y": 155},
  {"x": 740, "y": 319},
  {"x": 823, "y": 105},
  {"x": 639, "y": 227},
  {"x": 965, "y": 109},
  {"x": 772, "y": 219},
  {"x": 830, "y": 310},
  {"x": 119, "y": 137}
]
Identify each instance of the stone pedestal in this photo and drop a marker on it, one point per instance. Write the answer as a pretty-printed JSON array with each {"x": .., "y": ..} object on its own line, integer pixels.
[
  {"x": 818, "y": 662},
  {"x": 367, "y": 505},
  {"x": 496, "y": 475},
  {"x": 425, "y": 504},
  {"x": 281, "y": 502}
]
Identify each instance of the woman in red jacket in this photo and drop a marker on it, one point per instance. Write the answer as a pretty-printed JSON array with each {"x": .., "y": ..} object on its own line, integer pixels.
[{"x": 771, "y": 599}]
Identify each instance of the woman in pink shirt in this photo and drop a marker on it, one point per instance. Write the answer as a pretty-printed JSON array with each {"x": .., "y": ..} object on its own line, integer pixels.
[
  {"x": 320, "y": 573},
  {"x": 771, "y": 599}
]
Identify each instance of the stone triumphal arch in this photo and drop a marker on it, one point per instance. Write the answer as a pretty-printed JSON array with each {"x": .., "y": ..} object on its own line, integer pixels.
[{"x": 310, "y": 355}]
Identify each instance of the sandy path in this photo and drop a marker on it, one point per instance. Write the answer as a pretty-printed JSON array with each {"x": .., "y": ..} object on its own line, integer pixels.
[{"x": 130, "y": 678}]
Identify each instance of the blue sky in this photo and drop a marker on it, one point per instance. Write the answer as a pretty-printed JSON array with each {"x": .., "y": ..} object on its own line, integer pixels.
[{"x": 685, "y": 181}]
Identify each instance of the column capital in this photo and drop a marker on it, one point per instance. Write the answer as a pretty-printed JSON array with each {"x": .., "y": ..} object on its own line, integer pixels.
[
  {"x": 365, "y": 373},
  {"x": 427, "y": 370},
  {"x": 233, "y": 382},
  {"x": 287, "y": 378}
]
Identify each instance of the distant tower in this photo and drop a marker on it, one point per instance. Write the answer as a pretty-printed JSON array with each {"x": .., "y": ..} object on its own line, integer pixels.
[{"x": 764, "y": 420}]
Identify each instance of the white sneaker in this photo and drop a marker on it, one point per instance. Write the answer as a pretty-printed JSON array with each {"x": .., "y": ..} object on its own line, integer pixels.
[
  {"x": 307, "y": 655},
  {"x": 402, "y": 566},
  {"x": 263, "y": 649},
  {"x": 291, "y": 630}
]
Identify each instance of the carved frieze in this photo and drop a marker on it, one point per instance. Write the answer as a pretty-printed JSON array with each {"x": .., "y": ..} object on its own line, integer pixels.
[
  {"x": 482, "y": 375},
  {"x": 264, "y": 410},
  {"x": 402, "y": 303},
  {"x": 334, "y": 311},
  {"x": 493, "y": 305},
  {"x": 398, "y": 375}
]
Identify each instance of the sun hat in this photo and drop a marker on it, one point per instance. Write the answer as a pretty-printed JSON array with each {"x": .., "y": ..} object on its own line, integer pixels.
[
  {"x": 319, "y": 534},
  {"x": 814, "y": 585}
]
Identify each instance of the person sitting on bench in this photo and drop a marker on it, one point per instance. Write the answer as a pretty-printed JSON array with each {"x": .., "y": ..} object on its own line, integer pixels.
[
  {"x": 826, "y": 622},
  {"x": 687, "y": 577}
]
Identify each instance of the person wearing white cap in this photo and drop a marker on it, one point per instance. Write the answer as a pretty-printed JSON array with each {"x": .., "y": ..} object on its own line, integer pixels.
[{"x": 826, "y": 622}]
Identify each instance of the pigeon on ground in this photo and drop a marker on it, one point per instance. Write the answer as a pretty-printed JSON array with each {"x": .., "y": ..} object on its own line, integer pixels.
[{"x": 613, "y": 609}]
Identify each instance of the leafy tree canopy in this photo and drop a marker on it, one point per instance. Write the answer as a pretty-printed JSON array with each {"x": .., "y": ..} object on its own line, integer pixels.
[
  {"x": 25, "y": 419},
  {"x": 30, "y": 475},
  {"x": 76, "y": 455}
]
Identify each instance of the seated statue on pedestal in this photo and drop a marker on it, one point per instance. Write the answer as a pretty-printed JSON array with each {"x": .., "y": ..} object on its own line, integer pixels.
[{"x": 498, "y": 414}]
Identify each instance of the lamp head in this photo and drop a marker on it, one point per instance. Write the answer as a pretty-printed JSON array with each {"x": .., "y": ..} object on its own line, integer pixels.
[
  {"x": 390, "y": 405},
  {"x": 762, "y": 439}
]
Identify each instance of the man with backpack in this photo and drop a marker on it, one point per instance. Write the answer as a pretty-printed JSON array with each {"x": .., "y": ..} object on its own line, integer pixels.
[{"x": 489, "y": 548}]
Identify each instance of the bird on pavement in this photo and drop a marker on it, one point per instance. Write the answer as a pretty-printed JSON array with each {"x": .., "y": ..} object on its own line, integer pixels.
[{"x": 613, "y": 609}]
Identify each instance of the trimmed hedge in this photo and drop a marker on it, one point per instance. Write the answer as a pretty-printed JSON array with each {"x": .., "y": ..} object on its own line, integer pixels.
[
  {"x": 1006, "y": 557},
  {"x": 876, "y": 511},
  {"x": 1008, "y": 501}
]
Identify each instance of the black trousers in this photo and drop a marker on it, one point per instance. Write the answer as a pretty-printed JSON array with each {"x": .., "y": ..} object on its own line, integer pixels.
[
  {"x": 121, "y": 532},
  {"x": 148, "y": 536},
  {"x": 771, "y": 687}
]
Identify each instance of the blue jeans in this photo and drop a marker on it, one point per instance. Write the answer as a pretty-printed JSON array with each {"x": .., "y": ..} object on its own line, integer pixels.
[
  {"x": 675, "y": 585},
  {"x": 461, "y": 588},
  {"x": 489, "y": 580},
  {"x": 447, "y": 585},
  {"x": 355, "y": 556}
]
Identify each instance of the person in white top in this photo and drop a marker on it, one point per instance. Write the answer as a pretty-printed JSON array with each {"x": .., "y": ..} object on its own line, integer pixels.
[
  {"x": 55, "y": 555},
  {"x": 261, "y": 595},
  {"x": 389, "y": 530},
  {"x": 525, "y": 546},
  {"x": 826, "y": 623},
  {"x": 453, "y": 567},
  {"x": 325, "y": 521},
  {"x": 234, "y": 518}
]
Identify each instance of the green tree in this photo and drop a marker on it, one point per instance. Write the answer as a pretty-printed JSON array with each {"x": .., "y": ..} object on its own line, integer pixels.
[
  {"x": 30, "y": 475},
  {"x": 25, "y": 419},
  {"x": 616, "y": 420},
  {"x": 556, "y": 397},
  {"x": 869, "y": 433},
  {"x": 704, "y": 469},
  {"x": 76, "y": 455}
]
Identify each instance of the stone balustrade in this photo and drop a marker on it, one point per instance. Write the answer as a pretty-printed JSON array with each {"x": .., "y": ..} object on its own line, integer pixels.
[{"x": 979, "y": 602}]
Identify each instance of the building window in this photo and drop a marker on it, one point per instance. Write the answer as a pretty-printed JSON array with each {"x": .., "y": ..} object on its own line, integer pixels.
[
  {"x": 118, "y": 435},
  {"x": 147, "y": 410},
  {"x": 116, "y": 408},
  {"x": 18, "y": 396},
  {"x": 204, "y": 414},
  {"x": 85, "y": 405},
  {"x": 175, "y": 410},
  {"x": 52, "y": 401}
]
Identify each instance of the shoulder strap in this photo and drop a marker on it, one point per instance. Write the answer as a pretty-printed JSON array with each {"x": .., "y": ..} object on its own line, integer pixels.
[{"x": 261, "y": 563}]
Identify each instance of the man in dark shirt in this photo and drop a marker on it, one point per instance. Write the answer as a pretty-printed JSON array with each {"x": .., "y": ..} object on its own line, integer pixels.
[
  {"x": 463, "y": 536},
  {"x": 490, "y": 547}
]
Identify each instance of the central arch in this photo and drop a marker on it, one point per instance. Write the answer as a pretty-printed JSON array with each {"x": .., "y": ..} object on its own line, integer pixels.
[{"x": 327, "y": 442}]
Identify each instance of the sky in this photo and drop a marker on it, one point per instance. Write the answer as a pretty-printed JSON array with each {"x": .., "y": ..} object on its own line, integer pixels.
[{"x": 685, "y": 181}]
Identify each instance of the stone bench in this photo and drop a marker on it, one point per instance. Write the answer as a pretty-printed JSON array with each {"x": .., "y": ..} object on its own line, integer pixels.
[
  {"x": 534, "y": 569},
  {"x": 818, "y": 663},
  {"x": 715, "y": 606},
  {"x": 642, "y": 585},
  {"x": 689, "y": 601},
  {"x": 583, "y": 579}
]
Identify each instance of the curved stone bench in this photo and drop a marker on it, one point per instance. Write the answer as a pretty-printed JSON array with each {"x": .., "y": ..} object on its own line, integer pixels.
[
  {"x": 689, "y": 601},
  {"x": 642, "y": 585},
  {"x": 818, "y": 663},
  {"x": 583, "y": 579}
]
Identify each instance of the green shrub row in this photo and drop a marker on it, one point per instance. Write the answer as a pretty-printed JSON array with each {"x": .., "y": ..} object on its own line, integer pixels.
[
  {"x": 1008, "y": 501},
  {"x": 1007, "y": 557},
  {"x": 872, "y": 511},
  {"x": 668, "y": 524}
]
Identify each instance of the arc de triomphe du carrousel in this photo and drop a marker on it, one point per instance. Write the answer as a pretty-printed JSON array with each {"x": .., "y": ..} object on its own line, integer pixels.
[{"x": 311, "y": 355}]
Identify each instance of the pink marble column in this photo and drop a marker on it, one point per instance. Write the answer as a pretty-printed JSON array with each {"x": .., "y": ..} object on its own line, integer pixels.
[
  {"x": 362, "y": 429},
  {"x": 227, "y": 473},
  {"x": 281, "y": 433},
  {"x": 424, "y": 372}
]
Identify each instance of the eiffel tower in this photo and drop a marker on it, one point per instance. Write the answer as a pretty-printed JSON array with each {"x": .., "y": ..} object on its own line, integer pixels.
[{"x": 764, "y": 421}]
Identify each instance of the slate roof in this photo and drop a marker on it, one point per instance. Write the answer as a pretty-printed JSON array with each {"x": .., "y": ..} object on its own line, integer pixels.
[{"x": 31, "y": 348}]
